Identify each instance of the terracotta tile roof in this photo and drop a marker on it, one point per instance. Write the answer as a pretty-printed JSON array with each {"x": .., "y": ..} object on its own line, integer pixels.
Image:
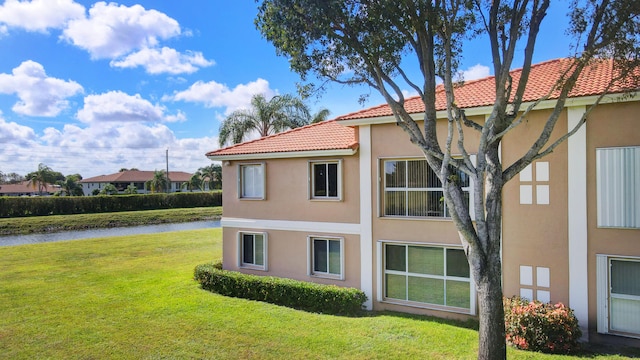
[
  {"x": 25, "y": 188},
  {"x": 135, "y": 176},
  {"x": 477, "y": 93},
  {"x": 326, "y": 135}
]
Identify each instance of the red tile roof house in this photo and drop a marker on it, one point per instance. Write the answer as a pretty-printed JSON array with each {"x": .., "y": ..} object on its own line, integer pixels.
[
  {"x": 26, "y": 189},
  {"x": 123, "y": 179},
  {"x": 351, "y": 202}
]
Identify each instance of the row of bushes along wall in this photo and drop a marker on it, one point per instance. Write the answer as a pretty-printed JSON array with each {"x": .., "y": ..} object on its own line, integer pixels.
[{"x": 65, "y": 205}]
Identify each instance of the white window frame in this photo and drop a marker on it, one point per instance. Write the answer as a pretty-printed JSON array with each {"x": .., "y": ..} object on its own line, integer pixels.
[
  {"x": 241, "y": 181},
  {"x": 253, "y": 266},
  {"x": 311, "y": 177},
  {"x": 618, "y": 187},
  {"x": 604, "y": 294},
  {"x": 310, "y": 257},
  {"x": 381, "y": 261},
  {"x": 383, "y": 190}
]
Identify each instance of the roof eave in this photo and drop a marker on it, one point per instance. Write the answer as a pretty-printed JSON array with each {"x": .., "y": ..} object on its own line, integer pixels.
[
  {"x": 285, "y": 155},
  {"x": 486, "y": 110}
]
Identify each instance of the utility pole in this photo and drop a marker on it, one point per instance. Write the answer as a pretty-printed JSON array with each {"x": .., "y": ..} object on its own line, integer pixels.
[{"x": 168, "y": 180}]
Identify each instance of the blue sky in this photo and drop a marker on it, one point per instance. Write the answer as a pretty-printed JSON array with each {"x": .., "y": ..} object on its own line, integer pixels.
[{"x": 91, "y": 87}]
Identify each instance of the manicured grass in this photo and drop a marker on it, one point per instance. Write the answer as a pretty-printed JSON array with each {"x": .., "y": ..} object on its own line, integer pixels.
[
  {"x": 39, "y": 224},
  {"x": 134, "y": 298}
]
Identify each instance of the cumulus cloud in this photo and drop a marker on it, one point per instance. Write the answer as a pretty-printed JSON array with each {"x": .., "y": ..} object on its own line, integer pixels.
[
  {"x": 39, "y": 15},
  {"x": 15, "y": 133},
  {"x": 113, "y": 30},
  {"x": 117, "y": 106},
  {"x": 165, "y": 60},
  {"x": 477, "y": 71},
  {"x": 38, "y": 94},
  {"x": 213, "y": 94}
]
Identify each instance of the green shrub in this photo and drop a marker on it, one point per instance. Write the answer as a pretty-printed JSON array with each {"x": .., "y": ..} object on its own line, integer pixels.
[
  {"x": 327, "y": 299},
  {"x": 536, "y": 326},
  {"x": 64, "y": 205}
]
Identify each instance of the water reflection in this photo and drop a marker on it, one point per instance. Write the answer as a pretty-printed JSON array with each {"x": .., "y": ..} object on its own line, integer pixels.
[{"x": 94, "y": 233}]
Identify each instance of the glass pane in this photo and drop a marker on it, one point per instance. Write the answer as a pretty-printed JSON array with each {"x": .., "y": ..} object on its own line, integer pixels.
[
  {"x": 458, "y": 294},
  {"x": 247, "y": 248},
  {"x": 424, "y": 290},
  {"x": 462, "y": 178},
  {"x": 457, "y": 264},
  {"x": 252, "y": 181},
  {"x": 332, "y": 181},
  {"x": 395, "y": 203},
  {"x": 625, "y": 277},
  {"x": 417, "y": 203},
  {"x": 435, "y": 203},
  {"x": 395, "y": 257},
  {"x": 396, "y": 286},
  {"x": 426, "y": 260},
  {"x": 417, "y": 173},
  {"x": 334, "y": 257},
  {"x": 319, "y": 179},
  {"x": 395, "y": 173},
  {"x": 259, "y": 249},
  {"x": 320, "y": 255},
  {"x": 432, "y": 179},
  {"x": 625, "y": 315}
]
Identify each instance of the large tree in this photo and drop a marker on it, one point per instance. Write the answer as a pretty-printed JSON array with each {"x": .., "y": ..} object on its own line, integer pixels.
[
  {"x": 43, "y": 177},
  {"x": 265, "y": 117},
  {"x": 389, "y": 45}
]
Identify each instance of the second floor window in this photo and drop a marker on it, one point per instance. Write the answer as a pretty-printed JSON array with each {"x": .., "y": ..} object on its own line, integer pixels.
[
  {"x": 251, "y": 181},
  {"x": 325, "y": 180},
  {"x": 411, "y": 188}
]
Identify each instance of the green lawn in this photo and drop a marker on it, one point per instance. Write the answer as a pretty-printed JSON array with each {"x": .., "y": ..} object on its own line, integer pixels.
[{"x": 134, "y": 298}]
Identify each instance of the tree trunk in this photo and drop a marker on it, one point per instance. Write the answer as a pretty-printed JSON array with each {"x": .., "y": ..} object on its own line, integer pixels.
[{"x": 492, "y": 344}]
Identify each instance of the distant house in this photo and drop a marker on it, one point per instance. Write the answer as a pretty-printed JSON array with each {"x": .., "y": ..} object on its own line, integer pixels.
[
  {"x": 26, "y": 189},
  {"x": 351, "y": 202},
  {"x": 123, "y": 179}
]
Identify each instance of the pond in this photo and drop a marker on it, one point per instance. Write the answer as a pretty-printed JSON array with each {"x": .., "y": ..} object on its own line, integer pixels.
[{"x": 94, "y": 233}]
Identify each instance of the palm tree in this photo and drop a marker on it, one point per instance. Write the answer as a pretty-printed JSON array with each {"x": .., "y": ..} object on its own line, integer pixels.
[
  {"x": 158, "y": 183},
  {"x": 131, "y": 189},
  {"x": 213, "y": 173},
  {"x": 321, "y": 115},
  {"x": 41, "y": 177},
  {"x": 70, "y": 185},
  {"x": 109, "y": 189},
  {"x": 280, "y": 113},
  {"x": 195, "y": 182}
]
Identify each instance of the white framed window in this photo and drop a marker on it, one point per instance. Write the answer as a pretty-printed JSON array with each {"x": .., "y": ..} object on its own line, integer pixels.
[
  {"x": 412, "y": 189},
  {"x": 618, "y": 286},
  {"x": 326, "y": 257},
  {"x": 251, "y": 180},
  {"x": 252, "y": 250},
  {"x": 427, "y": 276},
  {"x": 325, "y": 178},
  {"x": 618, "y": 187}
]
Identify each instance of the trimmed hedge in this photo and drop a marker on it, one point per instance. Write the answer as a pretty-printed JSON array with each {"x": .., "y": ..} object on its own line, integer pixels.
[
  {"x": 327, "y": 299},
  {"x": 65, "y": 205},
  {"x": 536, "y": 326}
]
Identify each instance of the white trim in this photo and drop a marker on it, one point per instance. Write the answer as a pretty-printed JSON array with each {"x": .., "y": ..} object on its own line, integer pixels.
[
  {"x": 287, "y": 225},
  {"x": 577, "y": 219},
  {"x": 285, "y": 155},
  {"x": 602, "y": 290},
  {"x": 366, "y": 213},
  {"x": 486, "y": 110}
]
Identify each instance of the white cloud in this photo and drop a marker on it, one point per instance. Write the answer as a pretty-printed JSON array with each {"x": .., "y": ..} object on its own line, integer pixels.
[
  {"x": 117, "y": 106},
  {"x": 39, "y": 15},
  {"x": 213, "y": 94},
  {"x": 15, "y": 133},
  {"x": 38, "y": 94},
  {"x": 113, "y": 30},
  {"x": 477, "y": 71},
  {"x": 165, "y": 60}
]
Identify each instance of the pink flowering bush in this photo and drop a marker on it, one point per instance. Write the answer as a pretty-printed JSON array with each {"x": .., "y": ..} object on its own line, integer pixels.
[{"x": 536, "y": 326}]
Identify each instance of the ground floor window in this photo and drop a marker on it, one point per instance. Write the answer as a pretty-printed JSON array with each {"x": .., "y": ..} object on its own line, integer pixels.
[
  {"x": 325, "y": 257},
  {"x": 619, "y": 290},
  {"x": 253, "y": 250},
  {"x": 428, "y": 275}
]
